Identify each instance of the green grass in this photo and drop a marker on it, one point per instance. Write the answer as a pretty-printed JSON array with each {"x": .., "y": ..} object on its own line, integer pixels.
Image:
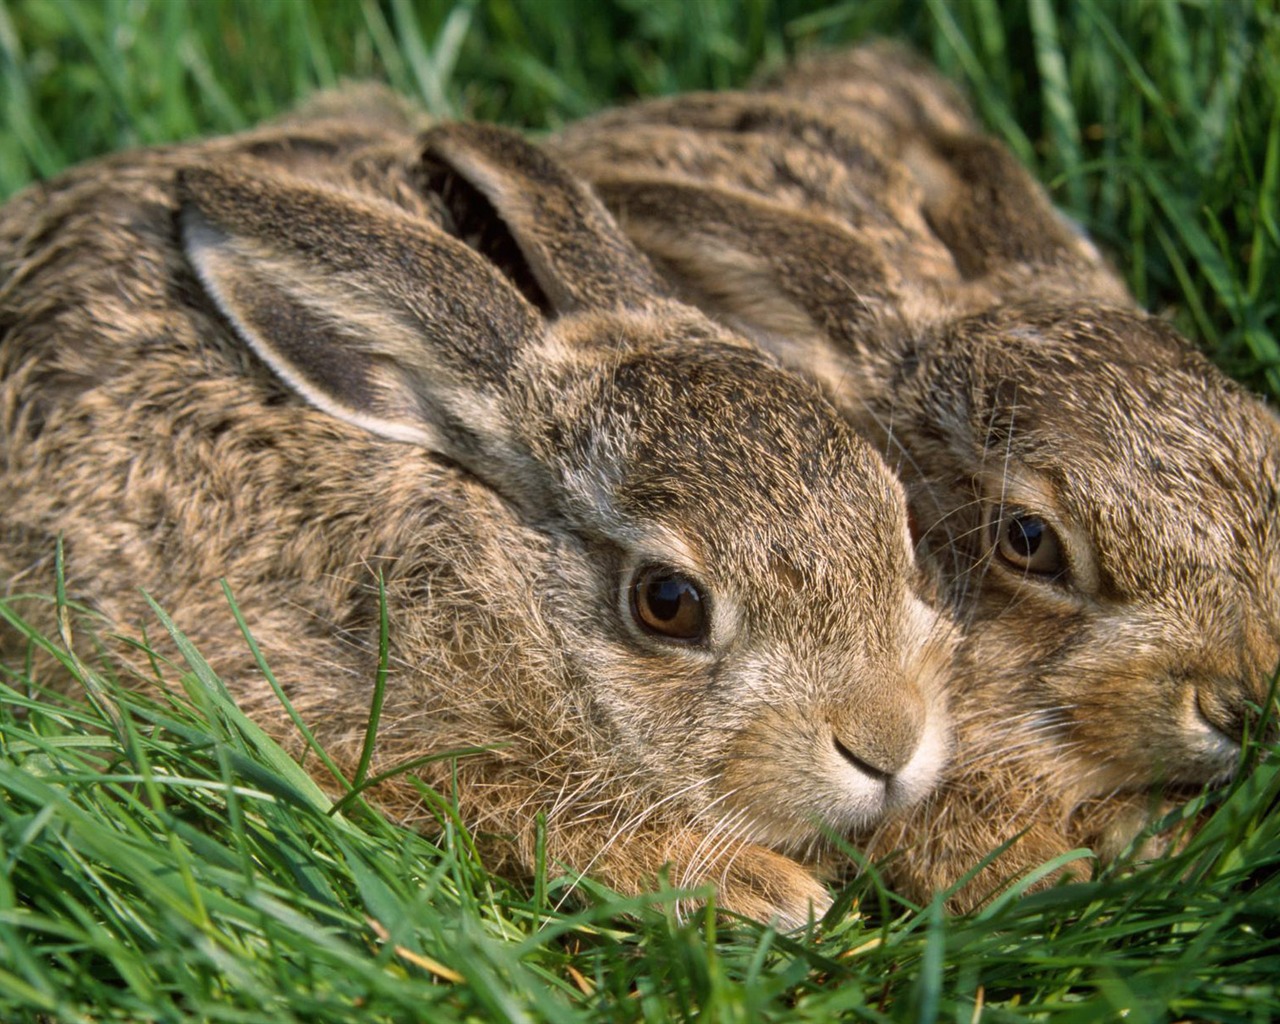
[{"x": 162, "y": 860}]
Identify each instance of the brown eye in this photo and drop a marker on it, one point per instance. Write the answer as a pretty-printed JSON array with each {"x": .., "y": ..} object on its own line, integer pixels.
[
  {"x": 667, "y": 603},
  {"x": 1025, "y": 542}
]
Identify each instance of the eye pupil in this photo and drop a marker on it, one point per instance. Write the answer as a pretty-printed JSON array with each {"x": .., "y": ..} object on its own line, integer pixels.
[
  {"x": 1025, "y": 534},
  {"x": 667, "y": 603},
  {"x": 665, "y": 597},
  {"x": 1027, "y": 543}
]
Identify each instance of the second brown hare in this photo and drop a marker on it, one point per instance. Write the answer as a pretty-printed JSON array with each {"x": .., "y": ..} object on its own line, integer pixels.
[
  {"x": 1098, "y": 501},
  {"x": 656, "y": 582}
]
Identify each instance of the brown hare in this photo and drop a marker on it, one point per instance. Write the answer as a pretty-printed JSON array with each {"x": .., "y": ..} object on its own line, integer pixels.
[
  {"x": 657, "y": 579},
  {"x": 1098, "y": 501}
]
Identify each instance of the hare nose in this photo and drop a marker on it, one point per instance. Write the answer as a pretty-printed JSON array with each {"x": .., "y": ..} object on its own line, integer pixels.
[
  {"x": 880, "y": 742},
  {"x": 1231, "y": 707},
  {"x": 874, "y": 771}
]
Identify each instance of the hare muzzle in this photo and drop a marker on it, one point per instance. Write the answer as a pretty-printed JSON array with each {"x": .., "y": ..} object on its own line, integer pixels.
[
  {"x": 872, "y": 738},
  {"x": 1230, "y": 709},
  {"x": 886, "y": 760}
]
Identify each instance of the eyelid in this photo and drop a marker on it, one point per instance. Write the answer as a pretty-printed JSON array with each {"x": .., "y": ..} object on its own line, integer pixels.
[{"x": 1017, "y": 486}]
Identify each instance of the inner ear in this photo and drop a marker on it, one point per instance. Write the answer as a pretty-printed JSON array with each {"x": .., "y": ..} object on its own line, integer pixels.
[{"x": 471, "y": 218}]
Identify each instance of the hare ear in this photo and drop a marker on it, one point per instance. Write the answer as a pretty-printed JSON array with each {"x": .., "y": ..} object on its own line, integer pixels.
[
  {"x": 373, "y": 316},
  {"x": 988, "y": 209},
  {"x": 569, "y": 242},
  {"x": 775, "y": 272}
]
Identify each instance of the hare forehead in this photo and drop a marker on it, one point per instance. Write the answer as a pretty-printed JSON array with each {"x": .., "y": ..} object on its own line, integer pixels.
[
  {"x": 1173, "y": 437},
  {"x": 750, "y": 530},
  {"x": 1174, "y": 480},
  {"x": 706, "y": 422},
  {"x": 1168, "y": 539},
  {"x": 757, "y": 525}
]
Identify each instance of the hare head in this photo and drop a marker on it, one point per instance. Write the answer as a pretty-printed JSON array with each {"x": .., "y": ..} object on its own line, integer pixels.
[
  {"x": 1102, "y": 504},
  {"x": 1110, "y": 522},
  {"x": 1098, "y": 501},
  {"x": 656, "y": 576}
]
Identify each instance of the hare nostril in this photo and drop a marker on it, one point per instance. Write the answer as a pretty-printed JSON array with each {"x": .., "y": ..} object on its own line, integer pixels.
[
  {"x": 1227, "y": 712},
  {"x": 879, "y": 774}
]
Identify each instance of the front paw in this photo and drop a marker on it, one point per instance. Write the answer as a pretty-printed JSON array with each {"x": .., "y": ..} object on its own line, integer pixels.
[
  {"x": 758, "y": 883},
  {"x": 750, "y": 880},
  {"x": 1122, "y": 822}
]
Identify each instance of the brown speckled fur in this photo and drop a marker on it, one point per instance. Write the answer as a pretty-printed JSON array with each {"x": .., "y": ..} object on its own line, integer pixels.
[
  {"x": 850, "y": 216},
  {"x": 174, "y": 324}
]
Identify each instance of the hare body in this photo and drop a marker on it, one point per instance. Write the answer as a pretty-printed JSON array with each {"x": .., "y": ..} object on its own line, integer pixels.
[
  {"x": 1099, "y": 502},
  {"x": 656, "y": 579}
]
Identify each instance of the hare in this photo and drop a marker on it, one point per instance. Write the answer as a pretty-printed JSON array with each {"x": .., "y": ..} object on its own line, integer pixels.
[
  {"x": 1097, "y": 500},
  {"x": 653, "y": 582}
]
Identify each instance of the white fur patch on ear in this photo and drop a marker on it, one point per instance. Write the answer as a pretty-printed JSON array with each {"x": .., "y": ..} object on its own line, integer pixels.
[{"x": 234, "y": 277}]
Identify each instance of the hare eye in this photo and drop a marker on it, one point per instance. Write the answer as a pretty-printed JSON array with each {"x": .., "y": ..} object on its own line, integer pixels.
[
  {"x": 1027, "y": 543},
  {"x": 667, "y": 603}
]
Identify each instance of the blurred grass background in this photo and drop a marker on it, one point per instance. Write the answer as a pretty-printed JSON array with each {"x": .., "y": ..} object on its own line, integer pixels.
[
  {"x": 1155, "y": 122},
  {"x": 161, "y": 861}
]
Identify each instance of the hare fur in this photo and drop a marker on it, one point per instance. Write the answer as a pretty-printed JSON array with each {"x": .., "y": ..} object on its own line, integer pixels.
[
  {"x": 850, "y": 216},
  {"x": 656, "y": 580}
]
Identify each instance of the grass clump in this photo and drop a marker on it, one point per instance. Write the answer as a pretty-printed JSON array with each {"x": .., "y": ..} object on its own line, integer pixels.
[{"x": 164, "y": 860}]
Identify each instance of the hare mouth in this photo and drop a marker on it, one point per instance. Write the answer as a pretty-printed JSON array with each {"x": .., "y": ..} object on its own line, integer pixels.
[
  {"x": 869, "y": 770},
  {"x": 1212, "y": 746},
  {"x": 870, "y": 791}
]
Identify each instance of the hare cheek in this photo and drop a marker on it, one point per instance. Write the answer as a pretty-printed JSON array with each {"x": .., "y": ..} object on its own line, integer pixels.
[
  {"x": 1138, "y": 723},
  {"x": 784, "y": 781}
]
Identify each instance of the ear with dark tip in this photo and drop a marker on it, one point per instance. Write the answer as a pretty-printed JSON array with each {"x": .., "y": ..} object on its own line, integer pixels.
[
  {"x": 375, "y": 317},
  {"x": 572, "y": 246}
]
